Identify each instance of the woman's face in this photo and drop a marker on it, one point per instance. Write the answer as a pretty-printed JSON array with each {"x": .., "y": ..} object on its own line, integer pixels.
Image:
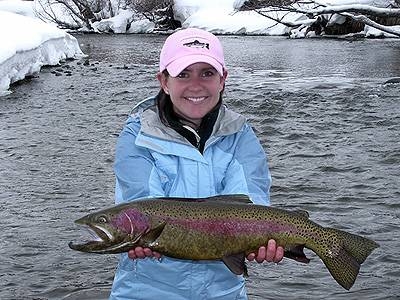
[{"x": 195, "y": 91}]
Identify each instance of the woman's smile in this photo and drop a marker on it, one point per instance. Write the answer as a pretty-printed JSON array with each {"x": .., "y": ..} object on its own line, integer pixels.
[{"x": 196, "y": 99}]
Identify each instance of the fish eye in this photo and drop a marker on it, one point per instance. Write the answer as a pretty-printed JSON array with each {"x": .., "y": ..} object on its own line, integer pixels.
[{"x": 102, "y": 219}]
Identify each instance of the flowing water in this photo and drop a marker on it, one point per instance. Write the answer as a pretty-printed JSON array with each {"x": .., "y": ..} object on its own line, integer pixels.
[{"x": 330, "y": 125}]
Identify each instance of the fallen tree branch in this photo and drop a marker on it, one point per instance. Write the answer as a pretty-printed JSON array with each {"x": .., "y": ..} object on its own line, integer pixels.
[
  {"x": 369, "y": 22},
  {"x": 357, "y": 12},
  {"x": 356, "y": 8}
]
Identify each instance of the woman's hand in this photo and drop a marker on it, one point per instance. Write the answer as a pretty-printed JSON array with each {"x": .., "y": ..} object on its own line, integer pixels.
[
  {"x": 140, "y": 252},
  {"x": 270, "y": 253}
]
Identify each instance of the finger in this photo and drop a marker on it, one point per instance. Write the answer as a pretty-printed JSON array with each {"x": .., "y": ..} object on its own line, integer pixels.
[
  {"x": 261, "y": 255},
  {"x": 156, "y": 255},
  {"x": 279, "y": 254},
  {"x": 132, "y": 254},
  {"x": 139, "y": 252},
  {"x": 271, "y": 251},
  {"x": 251, "y": 256},
  {"x": 147, "y": 252}
]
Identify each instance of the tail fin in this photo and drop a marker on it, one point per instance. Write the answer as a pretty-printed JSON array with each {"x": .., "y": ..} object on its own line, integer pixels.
[{"x": 345, "y": 255}]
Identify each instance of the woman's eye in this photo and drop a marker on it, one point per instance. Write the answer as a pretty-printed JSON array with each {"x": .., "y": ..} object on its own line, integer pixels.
[
  {"x": 182, "y": 75},
  {"x": 204, "y": 74},
  {"x": 208, "y": 73}
]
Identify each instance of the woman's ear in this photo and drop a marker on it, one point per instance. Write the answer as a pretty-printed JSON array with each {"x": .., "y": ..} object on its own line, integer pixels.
[
  {"x": 223, "y": 78},
  {"x": 225, "y": 73},
  {"x": 162, "y": 79}
]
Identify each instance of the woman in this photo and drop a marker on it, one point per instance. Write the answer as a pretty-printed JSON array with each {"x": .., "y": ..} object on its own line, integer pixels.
[{"x": 185, "y": 143}]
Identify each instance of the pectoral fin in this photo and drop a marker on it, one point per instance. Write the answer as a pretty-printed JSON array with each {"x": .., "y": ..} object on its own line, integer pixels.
[
  {"x": 149, "y": 237},
  {"x": 236, "y": 263}
]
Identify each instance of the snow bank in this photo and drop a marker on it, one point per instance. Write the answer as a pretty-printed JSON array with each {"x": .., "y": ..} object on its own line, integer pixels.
[
  {"x": 222, "y": 17},
  {"x": 27, "y": 44},
  {"x": 123, "y": 23},
  {"x": 23, "y": 8}
]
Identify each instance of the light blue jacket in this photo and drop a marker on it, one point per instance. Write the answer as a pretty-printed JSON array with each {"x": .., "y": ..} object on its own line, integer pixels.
[{"x": 154, "y": 160}]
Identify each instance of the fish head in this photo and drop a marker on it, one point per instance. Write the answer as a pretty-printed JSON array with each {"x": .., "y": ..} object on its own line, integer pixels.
[{"x": 113, "y": 230}]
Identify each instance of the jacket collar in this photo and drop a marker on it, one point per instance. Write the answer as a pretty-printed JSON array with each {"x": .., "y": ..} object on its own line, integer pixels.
[{"x": 155, "y": 135}]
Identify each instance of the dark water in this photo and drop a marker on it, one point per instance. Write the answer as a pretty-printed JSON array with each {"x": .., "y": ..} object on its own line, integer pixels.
[{"x": 321, "y": 108}]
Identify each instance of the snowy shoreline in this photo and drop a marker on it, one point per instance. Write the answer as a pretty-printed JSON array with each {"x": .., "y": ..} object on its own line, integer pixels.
[{"x": 28, "y": 43}]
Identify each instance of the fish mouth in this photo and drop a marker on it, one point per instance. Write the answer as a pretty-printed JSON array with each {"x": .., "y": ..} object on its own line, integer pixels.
[
  {"x": 101, "y": 241},
  {"x": 98, "y": 238}
]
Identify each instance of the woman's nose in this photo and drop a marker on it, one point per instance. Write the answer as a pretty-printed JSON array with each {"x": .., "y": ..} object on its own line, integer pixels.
[{"x": 195, "y": 83}]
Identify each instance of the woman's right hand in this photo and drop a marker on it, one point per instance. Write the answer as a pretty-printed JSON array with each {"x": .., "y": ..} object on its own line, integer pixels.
[{"x": 140, "y": 252}]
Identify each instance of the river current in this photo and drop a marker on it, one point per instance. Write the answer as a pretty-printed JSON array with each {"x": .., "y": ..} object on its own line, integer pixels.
[{"x": 322, "y": 108}]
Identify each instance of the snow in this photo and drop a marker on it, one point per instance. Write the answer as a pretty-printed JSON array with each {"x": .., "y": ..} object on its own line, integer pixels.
[
  {"x": 118, "y": 24},
  {"x": 246, "y": 22},
  {"x": 222, "y": 17},
  {"x": 23, "y": 8},
  {"x": 27, "y": 43}
]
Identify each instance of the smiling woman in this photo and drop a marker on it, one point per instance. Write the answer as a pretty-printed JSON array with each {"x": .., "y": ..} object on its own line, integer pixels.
[
  {"x": 192, "y": 73},
  {"x": 185, "y": 143}
]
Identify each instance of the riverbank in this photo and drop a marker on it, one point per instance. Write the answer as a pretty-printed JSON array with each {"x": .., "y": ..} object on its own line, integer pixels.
[{"x": 29, "y": 43}]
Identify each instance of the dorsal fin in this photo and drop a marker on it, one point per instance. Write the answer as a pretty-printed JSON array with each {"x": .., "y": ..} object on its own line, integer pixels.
[
  {"x": 233, "y": 198},
  {"x": 303, "y": 213}
]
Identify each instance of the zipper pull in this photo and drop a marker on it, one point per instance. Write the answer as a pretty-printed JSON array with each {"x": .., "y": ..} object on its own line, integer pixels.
[{"x": 197, "y": 136}]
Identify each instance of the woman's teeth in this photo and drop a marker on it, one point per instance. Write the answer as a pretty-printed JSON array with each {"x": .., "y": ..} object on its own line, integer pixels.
[{"x": 196, "y": 99}]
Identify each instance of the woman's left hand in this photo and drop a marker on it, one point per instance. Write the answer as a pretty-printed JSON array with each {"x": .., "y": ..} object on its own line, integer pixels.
[{"x": 270, "y": 253}]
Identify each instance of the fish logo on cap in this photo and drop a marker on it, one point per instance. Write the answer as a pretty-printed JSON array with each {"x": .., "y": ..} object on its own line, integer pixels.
[{"x": 197, "y": 44}]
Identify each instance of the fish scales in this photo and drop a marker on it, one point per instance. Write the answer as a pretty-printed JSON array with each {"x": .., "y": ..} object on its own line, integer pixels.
[
  {"x": 236, "y": 220},
  {"x": 223, "y": 228}
]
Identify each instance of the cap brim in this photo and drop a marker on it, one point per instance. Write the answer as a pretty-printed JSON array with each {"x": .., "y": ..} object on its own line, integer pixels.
[{"x": 180, "y": 64}]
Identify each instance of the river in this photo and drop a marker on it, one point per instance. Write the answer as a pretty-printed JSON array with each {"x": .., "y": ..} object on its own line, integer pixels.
[{"x": 328, "y": 121}]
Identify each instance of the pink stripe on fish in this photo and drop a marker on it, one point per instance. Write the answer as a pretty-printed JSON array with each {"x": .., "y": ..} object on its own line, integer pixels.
[{"x": 234, "y": 227}]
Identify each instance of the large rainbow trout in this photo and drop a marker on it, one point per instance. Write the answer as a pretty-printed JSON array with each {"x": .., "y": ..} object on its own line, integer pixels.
[{"x": 223, "y": 228}]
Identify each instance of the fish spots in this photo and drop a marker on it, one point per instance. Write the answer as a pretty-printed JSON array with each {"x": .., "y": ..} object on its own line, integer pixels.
[{"x": 131, "y": 221}]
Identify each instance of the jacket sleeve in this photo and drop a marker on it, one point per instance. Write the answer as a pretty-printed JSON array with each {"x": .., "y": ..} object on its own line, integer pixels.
[
  {"x": 248, "y": 171},
  {"x": 136, "y": 175}
]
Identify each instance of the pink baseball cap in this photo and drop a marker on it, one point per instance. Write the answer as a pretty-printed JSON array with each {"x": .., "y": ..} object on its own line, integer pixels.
[{"x": 188, "y": 46}]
